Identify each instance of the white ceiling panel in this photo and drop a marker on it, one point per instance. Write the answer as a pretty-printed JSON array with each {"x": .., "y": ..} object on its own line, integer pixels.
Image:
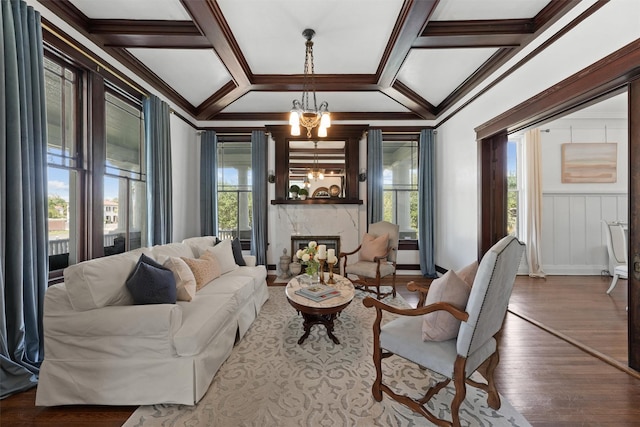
[
  {"x": 454, "y": 10},
  {"x": 165, "y": 10},
  {"x": 435, "y": 73},
  {"x": 338, "y": 101},
  {"x": 351, "y": 35},
  {"x": 193, "y": 73}
]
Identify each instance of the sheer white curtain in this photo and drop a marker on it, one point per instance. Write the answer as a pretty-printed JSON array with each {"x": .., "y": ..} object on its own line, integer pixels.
[{"x": 532, "y": 227}]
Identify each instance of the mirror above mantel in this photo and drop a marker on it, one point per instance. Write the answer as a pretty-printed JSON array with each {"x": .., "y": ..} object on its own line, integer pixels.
[{"x": 326, "y": 167}]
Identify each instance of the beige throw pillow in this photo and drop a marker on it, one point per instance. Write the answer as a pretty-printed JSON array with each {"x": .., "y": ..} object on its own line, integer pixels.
[
  {"x": 205, "y": 269},
  {"x": 441, "y": 325},
  {"x": 223, "y": 252},
  {"x": 185, "y": 280},
  {"x": 468, "y": 273},
  {"x": 373, "y": 246}
]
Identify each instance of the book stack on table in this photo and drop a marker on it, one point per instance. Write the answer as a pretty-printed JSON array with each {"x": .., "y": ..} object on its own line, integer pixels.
[{"x": 318, "y": 292}]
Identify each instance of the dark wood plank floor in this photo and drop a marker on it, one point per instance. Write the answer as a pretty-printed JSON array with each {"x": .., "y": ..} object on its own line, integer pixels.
[{"x": 550, "y": 381}]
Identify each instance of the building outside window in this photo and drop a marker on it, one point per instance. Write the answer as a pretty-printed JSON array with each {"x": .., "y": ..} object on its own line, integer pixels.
[
  {"x": 400, "y": 185},
  {"x": 235, "y": 201}
]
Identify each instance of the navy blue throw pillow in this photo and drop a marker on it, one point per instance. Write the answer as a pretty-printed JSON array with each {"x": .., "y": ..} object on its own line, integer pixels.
[
  {"x": 150, "y": 283},
  {"x": 237, "y": 252}
]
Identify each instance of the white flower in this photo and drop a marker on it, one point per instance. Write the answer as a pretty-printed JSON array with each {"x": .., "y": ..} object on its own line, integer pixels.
[
  {"x": 313, "y": 244},
  {"x": 299, "y": 254},
  {"x": 306, "y": 257},
  {"x": 316, "y": 257}
]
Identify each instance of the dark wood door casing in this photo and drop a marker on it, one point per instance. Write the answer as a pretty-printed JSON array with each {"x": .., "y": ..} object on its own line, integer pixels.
[
  {"x": 492, "y": 161},
  {"x": 634, "y": 225}
]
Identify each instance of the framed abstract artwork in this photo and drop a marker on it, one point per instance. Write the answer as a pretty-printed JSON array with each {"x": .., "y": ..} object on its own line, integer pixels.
[{"x": 589, "y": 162}]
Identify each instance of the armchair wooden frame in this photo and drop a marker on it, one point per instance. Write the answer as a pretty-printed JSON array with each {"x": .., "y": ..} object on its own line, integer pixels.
[
  {"x": 459, "y": 378},
  {"x": 361, "y": 282}
]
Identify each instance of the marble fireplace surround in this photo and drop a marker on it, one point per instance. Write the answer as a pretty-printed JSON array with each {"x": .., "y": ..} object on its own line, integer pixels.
[{"x": 343, "y": 221}]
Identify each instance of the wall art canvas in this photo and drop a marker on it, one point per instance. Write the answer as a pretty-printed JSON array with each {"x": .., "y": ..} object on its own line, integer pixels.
[{"x": 589, "y": 162}]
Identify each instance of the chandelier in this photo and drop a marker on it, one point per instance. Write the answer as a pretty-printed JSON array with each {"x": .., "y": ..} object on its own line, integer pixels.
[
  {"x": 315, "y": 173},
  {"x": 303, "y": 113}
]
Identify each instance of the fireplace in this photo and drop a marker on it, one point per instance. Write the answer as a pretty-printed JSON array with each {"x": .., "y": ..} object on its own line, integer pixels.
[{"x": 299, "y": 242}]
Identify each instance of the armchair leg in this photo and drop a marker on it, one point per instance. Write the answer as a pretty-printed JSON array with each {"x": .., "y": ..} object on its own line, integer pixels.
[
  {"x": 493, "y": 398},
  {"x": 461, "y": 389}
]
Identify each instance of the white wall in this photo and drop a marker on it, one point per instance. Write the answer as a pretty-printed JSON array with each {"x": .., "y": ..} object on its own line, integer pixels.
[
  {"x": 616, "y": 24},
  {"x": 185, "y": 162},
  {"x": 573, "y": 238}
]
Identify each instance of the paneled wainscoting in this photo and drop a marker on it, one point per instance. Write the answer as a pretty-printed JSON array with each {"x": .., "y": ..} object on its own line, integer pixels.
[{"x": 573, "y": 236}]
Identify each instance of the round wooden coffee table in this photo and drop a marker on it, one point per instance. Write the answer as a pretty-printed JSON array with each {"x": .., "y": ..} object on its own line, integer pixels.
[{"x": 323, "y": 312}]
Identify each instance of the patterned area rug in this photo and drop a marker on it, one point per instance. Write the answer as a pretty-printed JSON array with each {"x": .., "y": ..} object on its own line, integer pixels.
[{"x": 270, "y": 380}]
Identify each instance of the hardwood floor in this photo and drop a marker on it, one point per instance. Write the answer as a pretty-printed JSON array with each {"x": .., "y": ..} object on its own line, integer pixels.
[{"x": 549, "y": 380}]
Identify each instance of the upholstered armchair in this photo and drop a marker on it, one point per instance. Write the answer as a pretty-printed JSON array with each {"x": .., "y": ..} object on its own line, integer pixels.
[
  {"x": 376, "y": 258},
  {"x": 417, "y": 336}
]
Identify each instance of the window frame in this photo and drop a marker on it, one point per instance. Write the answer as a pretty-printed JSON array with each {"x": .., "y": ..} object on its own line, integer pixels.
[
  {"x": 235, "y": 138},
  {"x": 93, "y": 80},
  {"x": 389, "y": 137}
]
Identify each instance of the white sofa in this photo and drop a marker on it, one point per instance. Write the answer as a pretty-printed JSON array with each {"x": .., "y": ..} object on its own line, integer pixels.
[{"x": 101, "y": 349}]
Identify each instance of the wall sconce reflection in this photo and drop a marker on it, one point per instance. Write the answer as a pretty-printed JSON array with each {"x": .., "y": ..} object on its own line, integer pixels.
[
  {"x": 271, "y": 177},
  {"x": 362, "y": 176}
]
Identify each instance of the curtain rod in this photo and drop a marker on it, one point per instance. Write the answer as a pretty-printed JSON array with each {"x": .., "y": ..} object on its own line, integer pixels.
[{"x": 90, "y": 57}]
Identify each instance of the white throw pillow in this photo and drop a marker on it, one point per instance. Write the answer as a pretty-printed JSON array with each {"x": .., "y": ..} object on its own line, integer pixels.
[
  {"x": 185, "y": 280},
  {"x": 224, "y": 254}
]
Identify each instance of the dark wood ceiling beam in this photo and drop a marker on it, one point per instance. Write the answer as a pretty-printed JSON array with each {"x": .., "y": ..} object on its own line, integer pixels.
[
  {"x": 401, "y": 93},
  {"x": 228, "y": 93},
  {"x": 148, "y": 33},
  {"x": 323, "y": 82},
  {"x": 209, "y": 18},
  {"x": 335, "y": 116},
  {"x": 411, "y": 21},
  {"x": 485, "y": 33}
]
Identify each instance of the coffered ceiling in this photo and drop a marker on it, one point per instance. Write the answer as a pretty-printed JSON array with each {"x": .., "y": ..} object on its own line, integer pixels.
[{"x": 374, "y": 59}]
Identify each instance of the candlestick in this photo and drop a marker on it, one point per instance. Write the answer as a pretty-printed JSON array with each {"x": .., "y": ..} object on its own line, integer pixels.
[
  {"x": 332, "y": 262},
  {"x": 321, "y": 272}
]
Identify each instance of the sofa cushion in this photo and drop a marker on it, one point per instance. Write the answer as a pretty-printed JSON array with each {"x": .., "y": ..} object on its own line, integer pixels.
[
  {"x": 199, "y": 244},
  {"x": 185, "y": 280},
  {"x": 241, "y": 287},
  {"x": 202, "y": 319},
  {"x": 150, "y": 283},
  {"x": 373, "y": 246},
  {"x": 257, "y": 273},
  {"x": 237, "y": 252},
  {"x": 161, "y": 252},
  {"x": 441, "y": 325},
  {"x": 205, "y": 269},
  {"x": 224, "y": 254},
  {"x": 101, "y": 282}
]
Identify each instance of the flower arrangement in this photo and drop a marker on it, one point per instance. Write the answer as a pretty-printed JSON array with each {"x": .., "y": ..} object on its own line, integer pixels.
[{"x": 309, "y": 257}]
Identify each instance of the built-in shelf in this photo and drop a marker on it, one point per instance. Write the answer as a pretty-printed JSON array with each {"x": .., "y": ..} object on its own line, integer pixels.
[{"x": 318, "y": 201}]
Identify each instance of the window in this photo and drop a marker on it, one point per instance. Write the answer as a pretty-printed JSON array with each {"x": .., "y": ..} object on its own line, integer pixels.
[
  {"x": 400, "y": 186},
  {"x": 95, "y": 158},
  {"x": 514, "y": 181},
  {"x": 235, "y": 201},
  {"x": 62, "y": 91},
  {"x": 124, "y": 183}
]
